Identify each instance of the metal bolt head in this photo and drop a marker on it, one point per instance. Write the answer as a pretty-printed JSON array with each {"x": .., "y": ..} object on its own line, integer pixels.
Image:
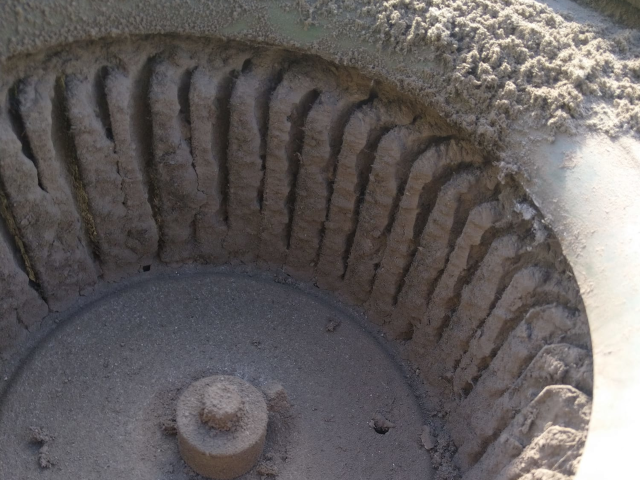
[{"x": 222, "y": 425}]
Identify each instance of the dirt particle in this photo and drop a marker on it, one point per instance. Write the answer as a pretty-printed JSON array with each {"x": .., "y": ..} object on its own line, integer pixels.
[
  {"x": 168, "y": 427},
  {"x": 266, "y": 469},
  {"x": 276, "y": 395},
  {"x": 41, "y": 437},
  {"x": 44, "y": 459},
  {"x": 332, "y": 325},
  {"x": 427, "y": 438},
  {"x": 283, "y": 279}
]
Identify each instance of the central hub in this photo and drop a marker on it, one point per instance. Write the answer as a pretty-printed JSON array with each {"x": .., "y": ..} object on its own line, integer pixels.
[
  {"x": 222, "y": 425},
  {"x": 221, "y": 405}
]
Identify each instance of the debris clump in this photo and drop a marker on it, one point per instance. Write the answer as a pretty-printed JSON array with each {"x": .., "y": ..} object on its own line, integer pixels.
[
  {"x": 512, "y": 59},
  {"x": 332, "y": 325},
  {"x": 41, "y": 437}
]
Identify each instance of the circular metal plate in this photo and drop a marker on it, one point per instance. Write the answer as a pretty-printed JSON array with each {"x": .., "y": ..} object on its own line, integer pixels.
[{"x": 105, "y": 381}]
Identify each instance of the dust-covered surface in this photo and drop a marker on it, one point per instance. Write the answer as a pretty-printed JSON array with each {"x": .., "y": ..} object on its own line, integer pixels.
[
  {"x": 102, "y": 389},
  {"x": 625, "y": 12},
  {"x": 506, "y": 60},
  {"x": 194, "y": 151},
  {"x": 486, "y": 66}
]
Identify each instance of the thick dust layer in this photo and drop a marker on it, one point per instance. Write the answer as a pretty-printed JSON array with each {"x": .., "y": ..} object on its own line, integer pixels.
[
  {"x": 508, "y": 59},
  {"x": 484, "y": 65},
  {"x": 100, "y": 391}
]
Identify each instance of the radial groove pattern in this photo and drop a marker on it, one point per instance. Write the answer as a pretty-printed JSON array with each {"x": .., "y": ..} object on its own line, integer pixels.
[{"x": 111, "y": 161}]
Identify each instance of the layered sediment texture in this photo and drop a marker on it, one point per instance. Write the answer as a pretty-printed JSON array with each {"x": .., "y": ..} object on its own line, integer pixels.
[{"x": 113, "y": 158}]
